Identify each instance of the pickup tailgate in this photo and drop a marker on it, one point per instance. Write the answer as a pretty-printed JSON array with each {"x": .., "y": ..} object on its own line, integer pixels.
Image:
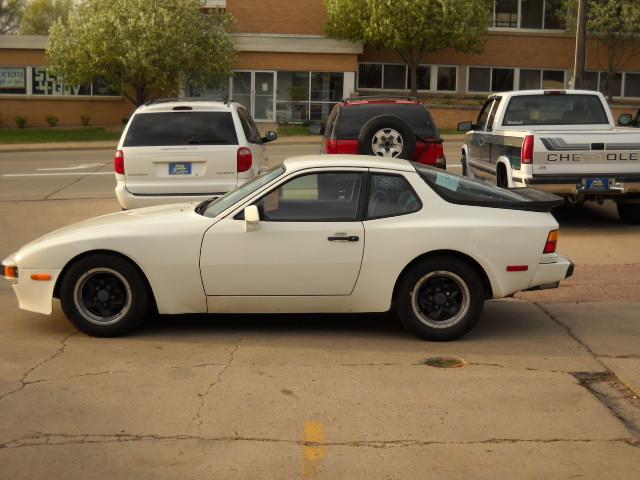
[{"x": 587, "y": 153}]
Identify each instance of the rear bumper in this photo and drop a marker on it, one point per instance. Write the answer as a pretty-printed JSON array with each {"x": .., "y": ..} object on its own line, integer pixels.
[
  {"x": 573, "y": 184},
  {"x": 128, "y": 200},
  {"x": 549, "y": 275}
]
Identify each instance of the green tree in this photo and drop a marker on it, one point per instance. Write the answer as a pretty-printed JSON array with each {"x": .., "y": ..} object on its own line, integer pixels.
[
  {"x": 40, "y": 15},
  {"x": 146, "y": 48},
  {"x": 412, "y": 28},
  {"x": 615, "y": 25},
  {"x": 10, "y": 11}
]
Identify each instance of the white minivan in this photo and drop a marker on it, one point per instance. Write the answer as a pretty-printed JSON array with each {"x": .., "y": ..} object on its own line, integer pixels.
[{"x": 180, "y": 151}]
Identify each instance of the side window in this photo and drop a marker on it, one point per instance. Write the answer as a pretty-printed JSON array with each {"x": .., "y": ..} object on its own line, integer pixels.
[
  {"x": 315, "y": 197},
  {"x": 492, "y": 115},
  {"x": 391, "y": 195},
  {"x": 331, "y": 122},
  {"x": 248, "y": 126},
  {"x": 484, "y": 115}
]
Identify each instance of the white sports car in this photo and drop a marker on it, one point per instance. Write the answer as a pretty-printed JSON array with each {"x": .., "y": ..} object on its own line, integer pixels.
[{"x": 316, "y": 234}]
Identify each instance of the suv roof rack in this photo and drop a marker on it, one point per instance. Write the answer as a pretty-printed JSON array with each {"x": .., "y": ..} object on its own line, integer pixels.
[
  {"x": 213, "y": 98},
  {"x": 381, "y": 97}
]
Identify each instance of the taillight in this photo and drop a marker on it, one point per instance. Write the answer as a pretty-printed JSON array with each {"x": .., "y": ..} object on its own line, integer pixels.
[
  {"x": 434, "y": 155},
  {"x": 526, "y": 154},
  {"x": 552, "y": 242},
  {"x": 118, "y": 162},
  {"x": 245, "y": 159},
  {"x": 331, "y": 147}
]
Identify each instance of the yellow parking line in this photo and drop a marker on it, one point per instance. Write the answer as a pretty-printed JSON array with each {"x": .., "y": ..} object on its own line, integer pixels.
[{"x": 314, "y": 451}]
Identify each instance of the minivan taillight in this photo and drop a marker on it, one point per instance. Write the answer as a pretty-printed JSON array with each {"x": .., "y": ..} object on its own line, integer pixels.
[
  {"x": 526, "y": 154},
  {"x": 118, "y": 162},
  {"x": 245, "y": 159}
]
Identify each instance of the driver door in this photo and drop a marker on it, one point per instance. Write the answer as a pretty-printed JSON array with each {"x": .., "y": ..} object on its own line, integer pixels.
[{"x": 309, "y": 241}]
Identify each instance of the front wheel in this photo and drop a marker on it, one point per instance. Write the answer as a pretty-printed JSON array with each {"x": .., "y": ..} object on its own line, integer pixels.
[
  {"x": 629, "y": 212},
  {"x": 104, "y": 295},
  {"x": 440, "y": 299}
]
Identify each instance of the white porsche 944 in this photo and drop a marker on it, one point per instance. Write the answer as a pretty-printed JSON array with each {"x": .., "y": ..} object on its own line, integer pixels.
[{"x": 316, "y": 234}]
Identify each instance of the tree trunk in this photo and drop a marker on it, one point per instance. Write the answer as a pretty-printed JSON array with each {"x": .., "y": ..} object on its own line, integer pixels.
[
  {"x": 141, "y": 96},
  {"x": 413, "y": 76}
]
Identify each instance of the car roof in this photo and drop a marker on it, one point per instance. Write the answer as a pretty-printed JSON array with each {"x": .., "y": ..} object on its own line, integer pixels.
[
  {"x": 342, "y": 161},
  {"x": 355, "y": 101},
  {"x": 547, "y": 91},
  {"x": 202, "y": 106}
]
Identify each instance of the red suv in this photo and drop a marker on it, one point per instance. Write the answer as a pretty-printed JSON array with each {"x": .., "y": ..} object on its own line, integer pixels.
[{"x": 384, "y": 126}]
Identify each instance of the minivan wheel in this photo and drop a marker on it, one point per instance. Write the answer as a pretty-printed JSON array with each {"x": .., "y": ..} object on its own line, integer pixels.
[
  {"x": 104, "y": 295},
  {"x": 629, "y": 212},
  {"x": 440, "y": 299},
  {"x": 387, "y": 136}
]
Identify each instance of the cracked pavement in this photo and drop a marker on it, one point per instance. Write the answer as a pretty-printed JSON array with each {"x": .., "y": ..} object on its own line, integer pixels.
[{"x": 550, "y": 386}]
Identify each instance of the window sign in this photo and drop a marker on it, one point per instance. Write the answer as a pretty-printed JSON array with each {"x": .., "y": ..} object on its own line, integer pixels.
[
  {"x": 45, "y": 83},
  {"x": 13, "y": 80}
]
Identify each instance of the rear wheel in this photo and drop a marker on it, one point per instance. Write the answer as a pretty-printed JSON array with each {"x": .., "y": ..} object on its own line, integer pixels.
[
  {"x": 501, "y": 177},
  {"x": 463, "y": 162},
  {"x": 104, "y": 295},
  {"x": 440, "y": 299},
  {"x": 629, "y": 212}
]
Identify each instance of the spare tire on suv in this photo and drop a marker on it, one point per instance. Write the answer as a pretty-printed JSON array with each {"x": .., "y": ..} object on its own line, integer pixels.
[{"x": 387, "y": 136}]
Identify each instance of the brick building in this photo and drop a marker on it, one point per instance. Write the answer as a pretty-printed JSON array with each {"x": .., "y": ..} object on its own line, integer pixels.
[{"x": 288, "y": 70}]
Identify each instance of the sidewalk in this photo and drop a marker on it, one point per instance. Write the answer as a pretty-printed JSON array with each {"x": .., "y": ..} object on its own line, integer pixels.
[{"x": 111, "y": 145}]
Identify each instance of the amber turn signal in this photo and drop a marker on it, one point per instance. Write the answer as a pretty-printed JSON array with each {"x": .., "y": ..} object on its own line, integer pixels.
[
  {"x": 552, "y": 242},
  {"x": 10, "y": 271},
  {"x": 41, "y": 277}
]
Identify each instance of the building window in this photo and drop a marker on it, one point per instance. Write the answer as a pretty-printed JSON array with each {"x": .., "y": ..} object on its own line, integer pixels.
[
  {"x": 13, "y": 80},
  {"x": 632, "y": 85},
  {"x": 326, "y": 90},
  {"x": 424, "y": 77},
  {"x": 529, "y": 14},
  {"x": 292, "y": 100},
  {"x": 530, "y": 79},
  {"x": 479, "y": 79},
  {"x": 590, "y": 81},
  {"x": 502, "y": 79},
  {"x": 370, "y": 75},
  {"x": 616, "y": 84},
  {"x": 394, "y": 77},
  {"x": 447, "y": 79},
  {"x": 553, "y": 79}
]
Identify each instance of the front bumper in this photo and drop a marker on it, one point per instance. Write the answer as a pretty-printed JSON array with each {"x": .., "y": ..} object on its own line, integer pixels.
[{"x": 34, "y": 295}]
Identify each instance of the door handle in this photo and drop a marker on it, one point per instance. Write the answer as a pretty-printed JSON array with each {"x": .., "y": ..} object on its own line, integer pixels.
[{"x": 344, "y": 238}]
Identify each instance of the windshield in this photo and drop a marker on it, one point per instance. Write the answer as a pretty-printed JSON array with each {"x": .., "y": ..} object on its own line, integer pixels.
[
  {"x": 211, "y": 209},
  {"x": 561, "y": 109}
]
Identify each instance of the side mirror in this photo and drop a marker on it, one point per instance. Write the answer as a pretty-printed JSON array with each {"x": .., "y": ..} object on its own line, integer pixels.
[
  {"x": 251, "y": 218},
  {"x": 625, "y": 120},
  {"x": 269, "y": 137},
  {"x": 465, "y": 126}
]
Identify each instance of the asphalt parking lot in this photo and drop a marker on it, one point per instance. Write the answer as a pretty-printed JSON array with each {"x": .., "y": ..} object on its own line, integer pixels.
[{"x": 548, "y": 388}]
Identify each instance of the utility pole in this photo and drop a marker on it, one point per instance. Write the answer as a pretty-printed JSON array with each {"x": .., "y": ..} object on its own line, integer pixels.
[{"x": 581, "y": 50}]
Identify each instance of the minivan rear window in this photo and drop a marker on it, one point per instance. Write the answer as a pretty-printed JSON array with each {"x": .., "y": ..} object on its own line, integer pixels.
[
  {"x": 352, "y": 118},
  {"x": 181, "y": 128}
]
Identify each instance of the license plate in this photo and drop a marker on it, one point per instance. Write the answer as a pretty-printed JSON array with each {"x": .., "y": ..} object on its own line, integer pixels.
[
  {"x": 180, "y": 168},
  {"x": 596, "y": 184}
]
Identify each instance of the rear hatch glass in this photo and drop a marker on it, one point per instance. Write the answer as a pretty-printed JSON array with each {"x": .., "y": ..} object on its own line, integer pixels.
[
  {"x": 465, "y": 191},
  {"x": 561, "y": 109},
  {"x": 181, "y": 128},
  {"x": 352, "y": 118}
]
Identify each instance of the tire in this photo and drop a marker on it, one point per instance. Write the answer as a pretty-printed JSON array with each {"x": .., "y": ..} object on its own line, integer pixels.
[
  {"x": 463, "y": 162},
  {"x": 100, "y": 275},
  {"x": 423, "y": 293},
  {"x": 501, "y": 177},
  {"x": 387, "y": 136},
  {"x": 629, "y": 213}
]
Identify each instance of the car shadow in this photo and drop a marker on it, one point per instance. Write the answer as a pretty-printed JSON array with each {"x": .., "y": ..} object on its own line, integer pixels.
[{"x": 591, "y": 216}]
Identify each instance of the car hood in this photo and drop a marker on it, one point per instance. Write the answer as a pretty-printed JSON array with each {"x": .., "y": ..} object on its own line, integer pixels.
[{"x": 100, "y": 232}]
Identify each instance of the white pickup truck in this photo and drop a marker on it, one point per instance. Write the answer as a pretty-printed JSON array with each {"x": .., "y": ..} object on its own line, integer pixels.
[{"x": 560, "y": 141}]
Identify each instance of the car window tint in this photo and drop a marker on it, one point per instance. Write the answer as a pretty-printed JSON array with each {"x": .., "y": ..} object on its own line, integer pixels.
[
  {"x": 331, "y": 122},
  {"x": 492, "y": 115},
  {"x": 483, "y": 115},
  {"x": 352, "y": 118},
  {"x": 314, "y": 197},
  {"x": 461, "y": 189},
  {"x": 248, "y": 126},
  {"x": 391, "y": 195},
  {"x": 560, "y": 109},
  {"x": 181, "y": 128}
]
